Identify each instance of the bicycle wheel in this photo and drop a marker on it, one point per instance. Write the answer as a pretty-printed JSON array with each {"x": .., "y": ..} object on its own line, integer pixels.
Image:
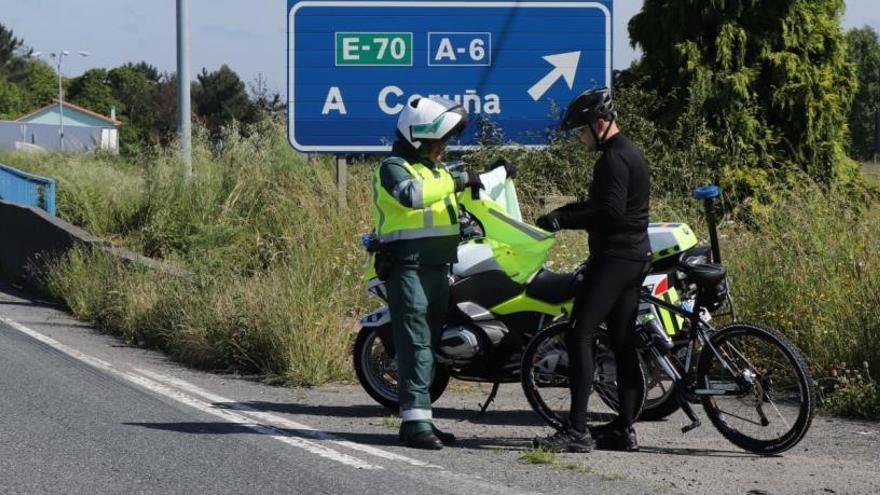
[
  {"x": 544, "y": 375},
  {"x": 768, "y": 396},
  {"x": 661, "y": 396}
]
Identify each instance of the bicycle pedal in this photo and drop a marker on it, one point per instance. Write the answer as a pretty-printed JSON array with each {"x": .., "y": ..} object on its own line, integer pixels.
[{"x": 692, "y": 426}]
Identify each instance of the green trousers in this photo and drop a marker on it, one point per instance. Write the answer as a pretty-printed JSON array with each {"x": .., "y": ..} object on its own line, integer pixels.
[{"x": 418, "y": 299}]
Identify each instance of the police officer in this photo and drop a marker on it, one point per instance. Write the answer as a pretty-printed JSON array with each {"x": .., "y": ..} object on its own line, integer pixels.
[
  {"x": 616, "y": 218},
  {"x": 415, "y": 216}
]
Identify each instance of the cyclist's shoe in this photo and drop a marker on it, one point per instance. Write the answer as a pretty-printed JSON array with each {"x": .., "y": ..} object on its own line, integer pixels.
[
  {"x": 446, "y": 438},
  {"x": 612, "y": 437},
  {"x": 567, "y": 440}
]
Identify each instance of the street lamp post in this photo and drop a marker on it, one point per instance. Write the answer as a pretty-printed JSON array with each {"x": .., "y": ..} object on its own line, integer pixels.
[
  {"x": 183, "y": 94},
  {"x": 58, "y": 57}
]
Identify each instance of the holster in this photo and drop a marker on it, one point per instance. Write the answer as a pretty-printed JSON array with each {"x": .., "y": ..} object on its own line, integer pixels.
[{"x": 383, "y": 262}]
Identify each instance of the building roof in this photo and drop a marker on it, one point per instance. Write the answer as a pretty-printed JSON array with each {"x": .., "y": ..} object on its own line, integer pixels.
[{"x": 71, "y": 106}]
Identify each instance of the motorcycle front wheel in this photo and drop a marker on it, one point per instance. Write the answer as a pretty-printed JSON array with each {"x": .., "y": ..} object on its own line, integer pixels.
[
  {"x": 376, "y": 367},
  {"x": 544, "y": 375}
]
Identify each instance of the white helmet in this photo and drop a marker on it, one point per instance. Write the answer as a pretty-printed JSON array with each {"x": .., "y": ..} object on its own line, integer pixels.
[{"x": 433, "y": 118}]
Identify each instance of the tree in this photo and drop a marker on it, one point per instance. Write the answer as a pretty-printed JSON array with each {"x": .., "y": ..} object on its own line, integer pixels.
[
  {"x": 864, "y": 53},
  {"x": 267, "y": 102},
  {"x": 92, "y": 90},
  {"x": 13, "y": 55},
  {"x": 166, "y": 108},
  {"x": 769, "y": 77},
  {"x": 134, "y": 86},
  {"x": 13, "y": 99},
  {"x": 149, "y": 71},
  {"x": 220, "y": 98},
  {"x": 40, "y": 83}
]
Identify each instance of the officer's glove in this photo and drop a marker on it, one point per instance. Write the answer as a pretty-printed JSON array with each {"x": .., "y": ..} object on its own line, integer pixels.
[
  {"x": 508, "y": 167},
  {"x": 549, "y": 222},
  {"x": 469, "y": 179}
]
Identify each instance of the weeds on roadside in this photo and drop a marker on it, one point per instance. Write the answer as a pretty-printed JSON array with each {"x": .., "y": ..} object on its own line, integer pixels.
[
  {"x": 539, "y": 456},
  {"x": 855, "y": 394},
  {"x": 391, "y": 422}
]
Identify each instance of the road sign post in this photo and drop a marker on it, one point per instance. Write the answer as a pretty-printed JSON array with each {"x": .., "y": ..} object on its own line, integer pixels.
[
  {"x": 342, "y": 180},
  {"x": 354, "y": 64}
]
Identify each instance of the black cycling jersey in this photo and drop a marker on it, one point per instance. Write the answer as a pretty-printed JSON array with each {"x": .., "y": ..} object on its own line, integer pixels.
[{"x": 616, "y": 213}]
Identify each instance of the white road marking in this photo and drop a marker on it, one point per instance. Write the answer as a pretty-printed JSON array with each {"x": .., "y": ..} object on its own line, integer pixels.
[
  {"x": 246, "y": 416},
  {"x": 224, "y": 414},
  {"x": 280, "y": 421}
]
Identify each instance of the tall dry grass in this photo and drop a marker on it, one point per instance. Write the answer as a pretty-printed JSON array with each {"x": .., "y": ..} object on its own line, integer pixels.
[{"x": 276, "y": 263}]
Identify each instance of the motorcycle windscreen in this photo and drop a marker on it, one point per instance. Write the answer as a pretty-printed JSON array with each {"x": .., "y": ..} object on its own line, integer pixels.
[
  {"x": 501, "y": 190},
  {"x": 519, "y": 248}
]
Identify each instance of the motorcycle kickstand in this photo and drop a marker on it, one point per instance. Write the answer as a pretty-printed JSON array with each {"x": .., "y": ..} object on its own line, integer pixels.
[{"x": 489, "y": 400}]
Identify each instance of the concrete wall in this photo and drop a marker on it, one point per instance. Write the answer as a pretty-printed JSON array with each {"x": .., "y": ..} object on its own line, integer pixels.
[
  {"x": 76, "y": 138},
  {"x": 29, "y": 236}
]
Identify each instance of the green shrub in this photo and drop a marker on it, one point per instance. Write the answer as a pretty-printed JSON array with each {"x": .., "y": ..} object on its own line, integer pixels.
[{"x": 855, "y": 395}]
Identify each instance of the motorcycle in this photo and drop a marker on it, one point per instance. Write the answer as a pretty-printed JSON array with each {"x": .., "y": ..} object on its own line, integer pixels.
[{"x": 501, "y": 296}]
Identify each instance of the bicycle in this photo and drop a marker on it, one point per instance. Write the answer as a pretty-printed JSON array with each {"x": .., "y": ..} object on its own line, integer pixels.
[{"x": 744, "y": 374}]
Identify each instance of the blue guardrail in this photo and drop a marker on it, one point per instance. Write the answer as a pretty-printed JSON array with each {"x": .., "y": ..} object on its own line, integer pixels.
[{"x": 27, "y": 189}]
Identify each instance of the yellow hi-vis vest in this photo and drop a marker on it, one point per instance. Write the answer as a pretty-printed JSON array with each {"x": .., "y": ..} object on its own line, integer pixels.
[{"x": 434, "y": 212}]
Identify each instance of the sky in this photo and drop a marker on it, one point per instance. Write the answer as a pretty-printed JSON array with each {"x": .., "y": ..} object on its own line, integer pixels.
[{"x": 248, "y": 35}]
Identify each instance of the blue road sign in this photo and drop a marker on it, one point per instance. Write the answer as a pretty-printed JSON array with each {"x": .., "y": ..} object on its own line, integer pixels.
[{"x": 354, "y": 64}]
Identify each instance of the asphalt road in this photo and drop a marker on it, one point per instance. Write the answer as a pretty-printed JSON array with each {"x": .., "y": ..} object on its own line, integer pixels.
[{"x": 83, "y": 413}]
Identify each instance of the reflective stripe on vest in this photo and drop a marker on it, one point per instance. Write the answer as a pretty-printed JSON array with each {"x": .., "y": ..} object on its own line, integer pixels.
[{"x": 395, "y": 222}]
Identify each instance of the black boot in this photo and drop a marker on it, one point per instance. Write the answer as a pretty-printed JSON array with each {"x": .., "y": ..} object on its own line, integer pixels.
[
  {"x": 613, "y": 437},
  {"x": 446, "y": 438},
  {"x": 424, "y": 440},
  {"x": 566, "y": 440}
]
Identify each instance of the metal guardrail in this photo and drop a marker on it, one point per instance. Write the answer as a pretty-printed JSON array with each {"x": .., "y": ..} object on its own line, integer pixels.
[{"x": 27, "y": 189}]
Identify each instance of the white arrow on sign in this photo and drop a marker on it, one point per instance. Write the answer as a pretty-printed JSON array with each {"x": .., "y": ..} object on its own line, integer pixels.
[{"x": 564, "y": 65}]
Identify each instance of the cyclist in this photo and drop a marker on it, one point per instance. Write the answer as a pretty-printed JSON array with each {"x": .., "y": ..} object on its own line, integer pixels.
[{"x": 616, "y": 219}]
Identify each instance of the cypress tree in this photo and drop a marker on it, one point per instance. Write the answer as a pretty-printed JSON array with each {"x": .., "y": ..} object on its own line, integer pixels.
[{"x": 769, "y": 77}]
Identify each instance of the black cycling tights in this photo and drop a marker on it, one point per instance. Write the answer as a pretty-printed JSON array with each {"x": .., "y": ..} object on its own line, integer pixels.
[{"x": 609, "y": 293}]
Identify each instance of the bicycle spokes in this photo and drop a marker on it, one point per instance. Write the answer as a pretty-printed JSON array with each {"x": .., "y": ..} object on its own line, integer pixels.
[{"x": 758, "y": 392}]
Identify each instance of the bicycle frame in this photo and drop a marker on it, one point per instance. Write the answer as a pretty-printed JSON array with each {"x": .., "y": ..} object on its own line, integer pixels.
[{"x": 701, "y": 333}]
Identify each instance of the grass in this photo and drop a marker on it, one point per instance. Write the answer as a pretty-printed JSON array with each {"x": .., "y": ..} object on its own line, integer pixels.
[
  {"x": 539, "y": 456},
  {"x": 276, "y": 262},
  {"x": 871, "y": 171},
  {"x": 391, "y": 422},
  {"x": 578, "y": 467},
  {"x": 811, "y": 268}
]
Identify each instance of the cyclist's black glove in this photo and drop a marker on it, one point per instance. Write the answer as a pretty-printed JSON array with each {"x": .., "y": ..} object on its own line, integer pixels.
[
  {"x": 508, "y": 167},
  {"x": 549, "y": 222}
]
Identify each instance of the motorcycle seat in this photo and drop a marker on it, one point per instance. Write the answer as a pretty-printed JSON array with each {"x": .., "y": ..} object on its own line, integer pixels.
[{"x": 551, "y": 287}]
